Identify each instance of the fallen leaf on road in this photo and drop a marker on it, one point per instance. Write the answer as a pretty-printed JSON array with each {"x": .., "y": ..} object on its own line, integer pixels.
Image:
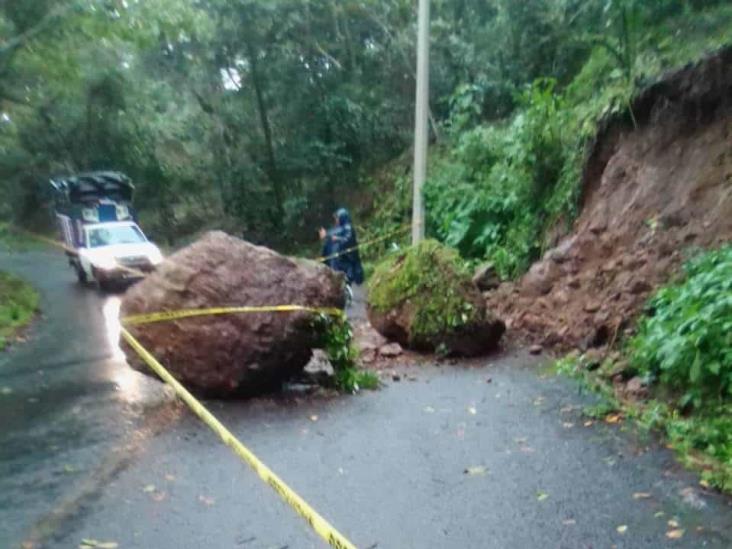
[
  {"x": 641, "y": 495},
  {"x": 88, "y": 543},
  {"x": 527, "y": 450},
  {"x": 675, "y": 534},
  {"x": 569, "y": 522},
  {"x": 589, "y": 423},
  {"x": 477, "y": 470},
  {"x": 567, "y": 424},
  {"x": 521, "y": 440},
  {"x": 567, "y": 409},
  {"x": 673, "y": 523},
  {"x": 208, "y": 501},
  {"x": 159, "y": 496},
  {"x": 429, "y": 409},
  {"x": 659, "y": 514},
  {"x": 704, "y": 483},
  {"x": 538, "y": 401},
  {"x": 622, "y": 528},
  {"x": 472, "y": 411},
  {"x": 169, "y": 477},
  {"x": 149, "y": 488},
  {"x": 6, "y": 391},
  {"x": 313, "y": 418},
  {"x": 541, "y": 496},
  {"x": 613, "y": 418}
]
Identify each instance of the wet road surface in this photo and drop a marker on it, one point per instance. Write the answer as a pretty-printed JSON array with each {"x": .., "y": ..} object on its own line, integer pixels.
[{"x": 492, "y": 454}]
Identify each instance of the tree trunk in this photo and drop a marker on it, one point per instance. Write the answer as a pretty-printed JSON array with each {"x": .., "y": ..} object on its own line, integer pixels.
[{"x": 272, "y": 171}]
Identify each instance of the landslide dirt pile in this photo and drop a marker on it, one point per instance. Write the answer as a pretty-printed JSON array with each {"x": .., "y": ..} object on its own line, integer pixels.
[
  {"x": 243, "y": 354},
  {"x": 652, "y": 194},
  {"x": 423, "y": 300}
]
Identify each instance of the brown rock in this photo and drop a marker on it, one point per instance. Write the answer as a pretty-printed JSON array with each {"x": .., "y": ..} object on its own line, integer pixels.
[
  {"x": 486, "y": 278},
  {"x": 593, "y": 358},
  {"x": 636, "y": 388},
  {"x": 241, "y": 354},
  {"x": 541, "y": 278},
  {"x": 391, "y": 350},
  {"x": 639, "y": 286},
  {"x": 598, "y": 226}
]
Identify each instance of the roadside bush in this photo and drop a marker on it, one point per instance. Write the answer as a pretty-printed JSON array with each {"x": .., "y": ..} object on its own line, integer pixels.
[
  {"x": 686, "y": 342},
  {"x": 488, "y": 198},
  {"x": 337, "y": 342},
  {"x": 18, "y": 303}
]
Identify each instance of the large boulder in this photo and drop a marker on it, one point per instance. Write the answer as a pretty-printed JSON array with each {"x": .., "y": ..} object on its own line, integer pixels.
[
  {"x": 240, "y": 354},
  {"x": 425, "y": 300}
]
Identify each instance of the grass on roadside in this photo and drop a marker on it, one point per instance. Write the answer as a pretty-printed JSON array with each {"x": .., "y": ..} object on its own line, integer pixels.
[
  {"x": 18, "y": 304},
  {"x": 14, "y": 241},
  {"x": 682, "y": 355}
]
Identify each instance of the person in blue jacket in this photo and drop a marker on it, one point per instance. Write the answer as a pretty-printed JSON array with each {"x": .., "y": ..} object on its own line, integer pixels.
[{"x": 341, "y": 239}]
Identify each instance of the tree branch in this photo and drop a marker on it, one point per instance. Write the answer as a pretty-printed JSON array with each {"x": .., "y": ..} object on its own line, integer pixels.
[{"x": 24, "y": 37}]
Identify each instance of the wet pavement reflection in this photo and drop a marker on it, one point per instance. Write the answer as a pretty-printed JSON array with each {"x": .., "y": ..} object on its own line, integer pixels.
[{"x": 67, "y": 396}]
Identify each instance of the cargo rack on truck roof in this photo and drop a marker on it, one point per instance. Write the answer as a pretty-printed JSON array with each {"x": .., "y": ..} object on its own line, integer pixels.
[{"x": 92, "y": 187}]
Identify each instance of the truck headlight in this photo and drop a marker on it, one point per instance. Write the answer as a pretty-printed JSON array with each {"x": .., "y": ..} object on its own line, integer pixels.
[{"x": 155, "y": 257}]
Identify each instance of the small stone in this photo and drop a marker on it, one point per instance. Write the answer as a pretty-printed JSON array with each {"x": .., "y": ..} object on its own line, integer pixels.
[
  {"x": 486, "y": 278},
  {"x": 592, "y": 307},
  {"x": 536, "y": 349},
  {"x": 635, "y": 386},
  {"x": 390, "y": 350},
  {"x": 640, "y": 287},
  {"x": 598, "y": 227}
]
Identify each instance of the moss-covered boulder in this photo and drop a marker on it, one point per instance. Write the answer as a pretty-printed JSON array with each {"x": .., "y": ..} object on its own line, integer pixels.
[{"x": 425, "y": 299}]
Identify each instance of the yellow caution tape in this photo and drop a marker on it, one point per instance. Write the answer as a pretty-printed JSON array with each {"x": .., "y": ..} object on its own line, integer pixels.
[
  {"x": 365, "y": 244},
  {"x": 321, "y": 526},
  {"x": 167, "y": 316}
]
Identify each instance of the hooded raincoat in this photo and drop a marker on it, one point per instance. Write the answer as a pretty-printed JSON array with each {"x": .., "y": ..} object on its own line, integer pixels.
[{"x": 341, "y": 239}]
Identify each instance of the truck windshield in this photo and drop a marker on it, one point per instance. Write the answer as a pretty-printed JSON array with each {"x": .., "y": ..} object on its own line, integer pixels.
[{"x": 107, "y": 236}]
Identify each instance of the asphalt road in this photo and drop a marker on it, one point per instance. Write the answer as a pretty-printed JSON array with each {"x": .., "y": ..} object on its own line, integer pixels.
[{"x": 488, "y": 454}]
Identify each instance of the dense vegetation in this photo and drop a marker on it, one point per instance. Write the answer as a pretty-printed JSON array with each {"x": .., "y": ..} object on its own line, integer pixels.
[
  {"x": 500, "y": 189},
  {"x": 259, "y": 117},
  {"x": 686, "y": 343},
  {"x": 18, "y": 304},
  {"x": 682, "y": 352}
]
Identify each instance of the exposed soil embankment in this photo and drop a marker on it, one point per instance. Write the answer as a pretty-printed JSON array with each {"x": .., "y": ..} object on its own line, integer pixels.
[{"x": 654, "y": 189}]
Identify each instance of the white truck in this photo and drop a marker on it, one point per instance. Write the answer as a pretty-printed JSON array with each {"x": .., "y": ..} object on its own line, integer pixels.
[{"x": 96, "y": 221}]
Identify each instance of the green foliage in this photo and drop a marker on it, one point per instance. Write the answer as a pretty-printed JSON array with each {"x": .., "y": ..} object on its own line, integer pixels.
[
  {"x": 490, "y": 197},
  {"x": 496, "y": 192},
  {"x": 433, "y": 281},
  {"x": 683, "y": 348},
  {"x": 18, "y": 304},
  {"x": 686, "y": 343},
  {"x": 338, "y": 345}
]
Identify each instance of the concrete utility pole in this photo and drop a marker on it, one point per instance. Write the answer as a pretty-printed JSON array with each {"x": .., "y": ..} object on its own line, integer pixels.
[{"x": 421, "y": 127}]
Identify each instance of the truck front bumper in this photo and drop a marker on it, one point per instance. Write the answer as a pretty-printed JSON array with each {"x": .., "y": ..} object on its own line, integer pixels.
[{"x": 122, "y": 273}]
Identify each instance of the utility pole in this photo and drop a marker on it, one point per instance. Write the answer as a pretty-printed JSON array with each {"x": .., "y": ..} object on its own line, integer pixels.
[{"x": 421, "y": 119}]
